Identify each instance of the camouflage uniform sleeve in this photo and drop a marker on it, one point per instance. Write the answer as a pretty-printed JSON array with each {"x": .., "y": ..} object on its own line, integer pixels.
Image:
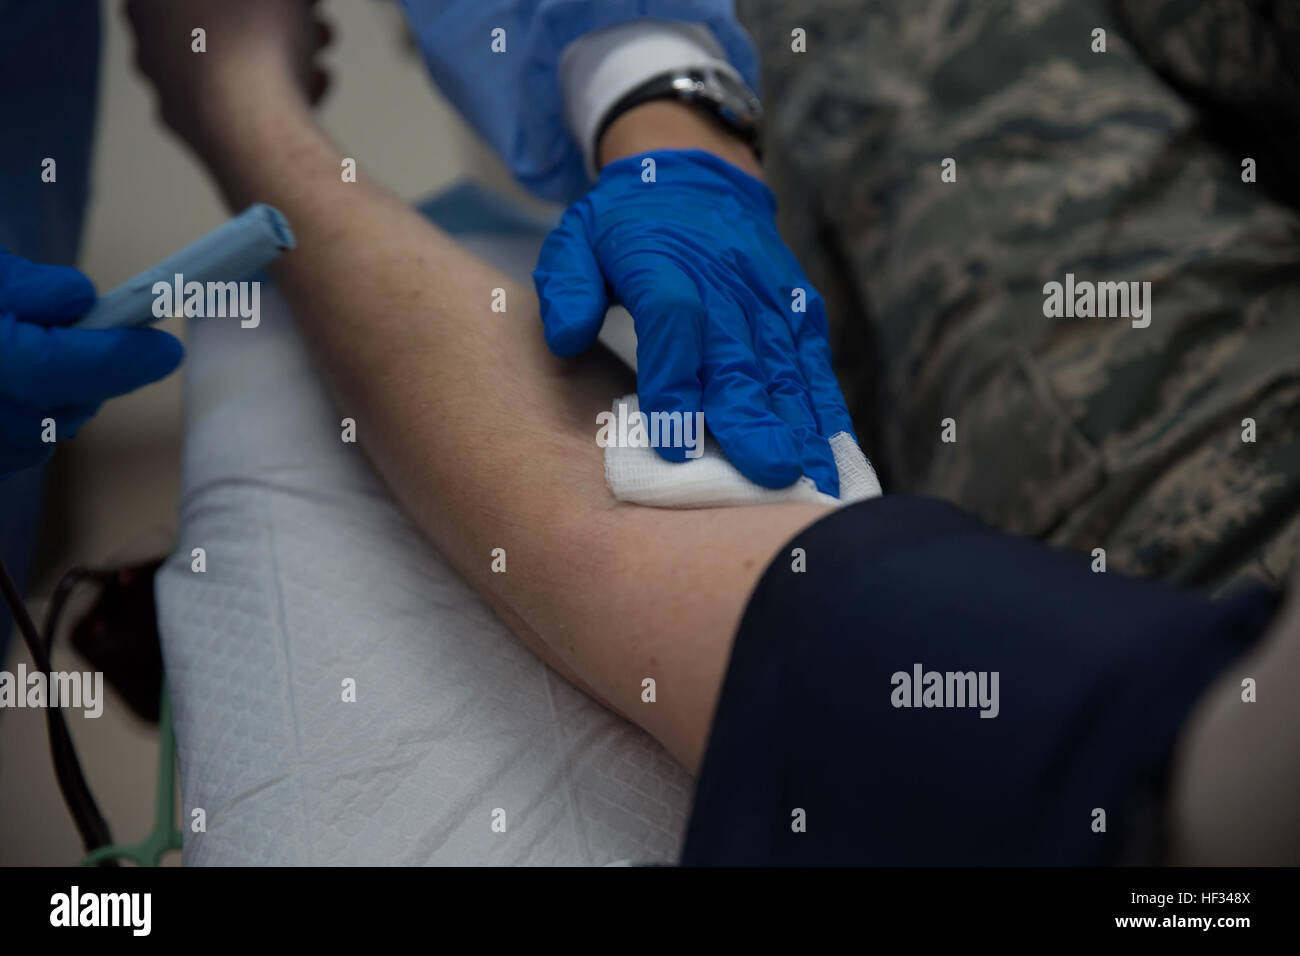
[{"x": 1175, "y": 447}]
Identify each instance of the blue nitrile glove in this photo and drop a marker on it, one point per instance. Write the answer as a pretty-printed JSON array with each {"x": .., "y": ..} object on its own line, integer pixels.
[
  {"x": 695, "y": 256},
  {"x": 64, "y": 374}
]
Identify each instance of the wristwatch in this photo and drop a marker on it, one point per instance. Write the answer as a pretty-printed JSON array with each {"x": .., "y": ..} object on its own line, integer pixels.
[{"x": 715, "y": 92}]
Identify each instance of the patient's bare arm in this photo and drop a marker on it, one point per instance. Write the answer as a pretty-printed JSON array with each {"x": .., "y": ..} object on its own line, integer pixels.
[{"x": 486, "y": 439}]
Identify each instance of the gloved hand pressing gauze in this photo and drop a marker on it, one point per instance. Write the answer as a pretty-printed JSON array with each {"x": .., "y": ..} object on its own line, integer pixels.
[
  {"x": 727, "y": 322},
  {"x": 638, "y": 474}
]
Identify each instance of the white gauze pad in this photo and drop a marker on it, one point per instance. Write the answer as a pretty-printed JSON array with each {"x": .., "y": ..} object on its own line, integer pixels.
[{"x": 639, "y": 475}]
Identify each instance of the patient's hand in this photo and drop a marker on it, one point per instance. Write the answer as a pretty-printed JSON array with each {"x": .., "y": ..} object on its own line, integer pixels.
[{"x": 253, "y": 47}]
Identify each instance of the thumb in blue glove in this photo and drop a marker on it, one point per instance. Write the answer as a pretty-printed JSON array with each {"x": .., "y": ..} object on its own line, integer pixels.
[
  {"x": 50, "y": 373},
  {"x": 726, "y": 320}
]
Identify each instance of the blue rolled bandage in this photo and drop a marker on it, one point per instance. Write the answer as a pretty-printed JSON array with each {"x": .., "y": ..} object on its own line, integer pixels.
[{"x": 231, "y": 252}]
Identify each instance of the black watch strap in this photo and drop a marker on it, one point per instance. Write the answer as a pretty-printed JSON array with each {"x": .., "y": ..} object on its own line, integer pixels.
[{"x": 714, "y": 92}]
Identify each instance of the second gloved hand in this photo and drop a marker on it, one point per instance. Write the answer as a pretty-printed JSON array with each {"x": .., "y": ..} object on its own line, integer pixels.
[
  {"x": 53, "y": 373},
  {"x": 726, "y": 320}
]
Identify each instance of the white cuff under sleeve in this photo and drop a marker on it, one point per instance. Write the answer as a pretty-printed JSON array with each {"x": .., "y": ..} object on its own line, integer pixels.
[{"x": 600, "y": 68}]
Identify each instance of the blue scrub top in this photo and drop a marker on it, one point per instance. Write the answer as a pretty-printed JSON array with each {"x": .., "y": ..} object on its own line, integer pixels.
[{"x": 49, "y": 72}]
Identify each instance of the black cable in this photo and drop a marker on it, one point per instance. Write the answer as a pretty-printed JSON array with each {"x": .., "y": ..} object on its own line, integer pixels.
[
  {"x": 85, "y": 812},
  {"x": 60, "y": 597}
]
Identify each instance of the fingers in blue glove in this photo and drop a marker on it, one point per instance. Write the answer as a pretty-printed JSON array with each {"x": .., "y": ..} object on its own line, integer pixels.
[
  {"x": 754, "y": 438},
  {"x": 738, "y": 406},
  {"x": 570, "y": 287},
  {"x": 669, "y": 353},
  {"x": 791, "y": 398},
  {"x": 44, "y": 367},
  {"x": 50, "y": 295}
]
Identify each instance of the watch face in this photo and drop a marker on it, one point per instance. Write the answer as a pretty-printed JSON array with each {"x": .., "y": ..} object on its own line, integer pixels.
[{"x": 734, "y": 102}]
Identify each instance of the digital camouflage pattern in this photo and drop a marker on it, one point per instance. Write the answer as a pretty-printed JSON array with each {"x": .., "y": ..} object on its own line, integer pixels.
[{"x": 1117, "y": 166}]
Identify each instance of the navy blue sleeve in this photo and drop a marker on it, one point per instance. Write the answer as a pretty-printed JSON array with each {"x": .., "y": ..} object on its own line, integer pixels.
[{"x": 930, "y": 692}]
